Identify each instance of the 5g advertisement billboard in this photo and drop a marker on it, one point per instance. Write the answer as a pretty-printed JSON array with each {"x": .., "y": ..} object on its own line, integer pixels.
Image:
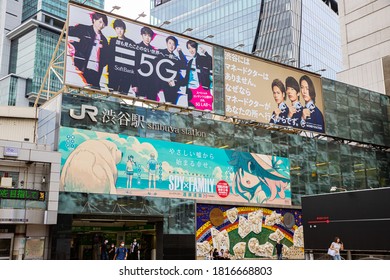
[{"x": 111, "y": 54}]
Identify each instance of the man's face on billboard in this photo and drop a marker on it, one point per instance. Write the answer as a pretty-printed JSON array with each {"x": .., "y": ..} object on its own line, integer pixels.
[
  {"x": 191, "y": 50},
  {"x": 146, "y": 38},
  {"x": 305, "y": 91},
  {"x": 292, "y": 94},
  {"x": 120, "y": 32},
  {"x": 278, "y": 94},
  {"x": 98, "y": 24},
  {"x": 171, "y": 46}
]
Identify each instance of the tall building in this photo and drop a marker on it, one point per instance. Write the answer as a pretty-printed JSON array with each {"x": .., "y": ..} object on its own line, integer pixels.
[
  {"x": 29, "y": 33},
  {"x": 365, "y": 35},
  {"x": 300, "y": 33}
]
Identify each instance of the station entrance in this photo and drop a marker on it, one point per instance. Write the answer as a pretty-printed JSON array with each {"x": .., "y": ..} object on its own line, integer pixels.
[{"x": 84, "y": 236}]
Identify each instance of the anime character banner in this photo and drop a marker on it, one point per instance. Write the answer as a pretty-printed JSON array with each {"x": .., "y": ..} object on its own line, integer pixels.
[
  {"x": 99, "y": 162},
  {"x": 242, "y": 232},
  {"x": 115, "y": 55},
  {"x": 269, "y": 93}
]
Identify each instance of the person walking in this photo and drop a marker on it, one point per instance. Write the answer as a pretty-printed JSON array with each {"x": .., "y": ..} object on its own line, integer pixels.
[
  {"x": 337, "y": 246},
  {"x": 111, "y": 252},
  {"x": 121, "y": 252},
  {"x": 104, "y": 250},
  {"x": 279, "y": 250}
]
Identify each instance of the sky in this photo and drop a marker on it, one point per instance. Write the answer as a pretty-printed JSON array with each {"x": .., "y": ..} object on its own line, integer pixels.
[{"x": 130, "y": 8}]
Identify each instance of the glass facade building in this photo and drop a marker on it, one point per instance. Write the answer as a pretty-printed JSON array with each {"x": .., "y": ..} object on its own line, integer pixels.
[
  {"x": 292, "y": 32},
  {"x": 356, "y": 159},
  {"x": 57, "y": 8},
  {"x": 29, "y": 49}
]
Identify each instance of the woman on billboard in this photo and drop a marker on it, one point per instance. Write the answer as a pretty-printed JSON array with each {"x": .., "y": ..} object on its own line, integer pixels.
[{"x": 259, "y": 178}]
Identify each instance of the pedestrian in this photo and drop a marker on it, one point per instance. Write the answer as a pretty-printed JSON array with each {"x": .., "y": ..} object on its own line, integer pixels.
[
  {"x": 111, "y": 251},
  {"x": 121, "y": 252},
  {"x": 279, "y": 250},
  {"x": 337, "y": 246},
  {"x": 104, "y": 250},
  {"x": 215, "y": 254},
  {"x": 134, "y": 250},
  {"x": 226, "y": 255}
]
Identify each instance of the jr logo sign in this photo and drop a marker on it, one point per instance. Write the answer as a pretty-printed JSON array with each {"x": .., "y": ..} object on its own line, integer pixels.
[{"x": 91, "y": 111}]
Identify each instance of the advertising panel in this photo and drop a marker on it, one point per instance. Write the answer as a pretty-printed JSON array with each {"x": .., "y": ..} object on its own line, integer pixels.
[
  {"x": 99, "y": 162},
  {"x": 341, "y": 214},
  {"x": 268, "y": 93},
  {"x": 232, "y": 232},
  {"x": 119, "y": 56}
]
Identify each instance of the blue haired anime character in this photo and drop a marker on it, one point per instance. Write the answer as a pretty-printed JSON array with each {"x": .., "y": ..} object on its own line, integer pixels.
[{"x": 259, "y": 178}]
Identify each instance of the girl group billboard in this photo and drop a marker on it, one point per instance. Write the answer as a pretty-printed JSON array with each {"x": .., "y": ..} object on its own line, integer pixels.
[
  {"x": 107, "y": 163},
  {"x": 111, "y": 54}
]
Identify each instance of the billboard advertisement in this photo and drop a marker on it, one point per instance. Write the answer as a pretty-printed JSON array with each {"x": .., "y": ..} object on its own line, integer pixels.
[
  {"x": 100, "y": 162},
  {"x": 353, "y": 216},
  {"x": 248, "y": 232},
  {"x": 115, "y": 55},
  {"x": 268, "y": 93}
]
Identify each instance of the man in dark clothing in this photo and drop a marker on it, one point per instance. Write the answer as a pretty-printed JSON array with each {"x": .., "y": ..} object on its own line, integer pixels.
[
  {"x": 169, "y": 75},
  {"x": 198, "y": 71},
  {"x": 90, "y": 49},
  {"x": 134, "y": 249},
  {"x": 146, "y": 64},
  {"x": 121, "y": 63},
  {"x": 104, "y": 250},
  {"x": 279, "y": 248}
]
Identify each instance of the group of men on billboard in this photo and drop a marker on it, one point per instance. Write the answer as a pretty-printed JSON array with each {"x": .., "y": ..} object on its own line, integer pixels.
[
  {"x": 139, "y": 69},
  {"x": 306, "y": 116}
]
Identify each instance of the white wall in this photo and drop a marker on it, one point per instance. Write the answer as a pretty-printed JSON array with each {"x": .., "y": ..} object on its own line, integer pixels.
[
  {"x": 365, "y": 33},
  {"x": 17, "y": 123},
  {"x": 10, "y": 18}
]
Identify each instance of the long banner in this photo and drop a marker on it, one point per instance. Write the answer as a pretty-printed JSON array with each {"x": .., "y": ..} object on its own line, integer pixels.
[
  {"x": 115, "y": 55},
  {"x": 268, "y": 93},
  {"x": 99, "y": 162}
]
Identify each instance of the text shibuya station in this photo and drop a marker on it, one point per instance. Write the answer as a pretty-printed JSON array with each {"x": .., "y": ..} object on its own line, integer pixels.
[{"x": 177, "y": 130}]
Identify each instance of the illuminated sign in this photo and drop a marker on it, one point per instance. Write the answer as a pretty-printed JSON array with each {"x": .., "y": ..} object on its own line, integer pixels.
[{"x": 22, "y": 194}]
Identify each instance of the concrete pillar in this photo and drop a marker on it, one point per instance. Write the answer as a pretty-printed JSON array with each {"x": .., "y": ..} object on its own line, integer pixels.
[
  {"x": 349, "y": 255},
  {"x": 19, "y": 242},
  {"x": 154, "y": 246}
]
